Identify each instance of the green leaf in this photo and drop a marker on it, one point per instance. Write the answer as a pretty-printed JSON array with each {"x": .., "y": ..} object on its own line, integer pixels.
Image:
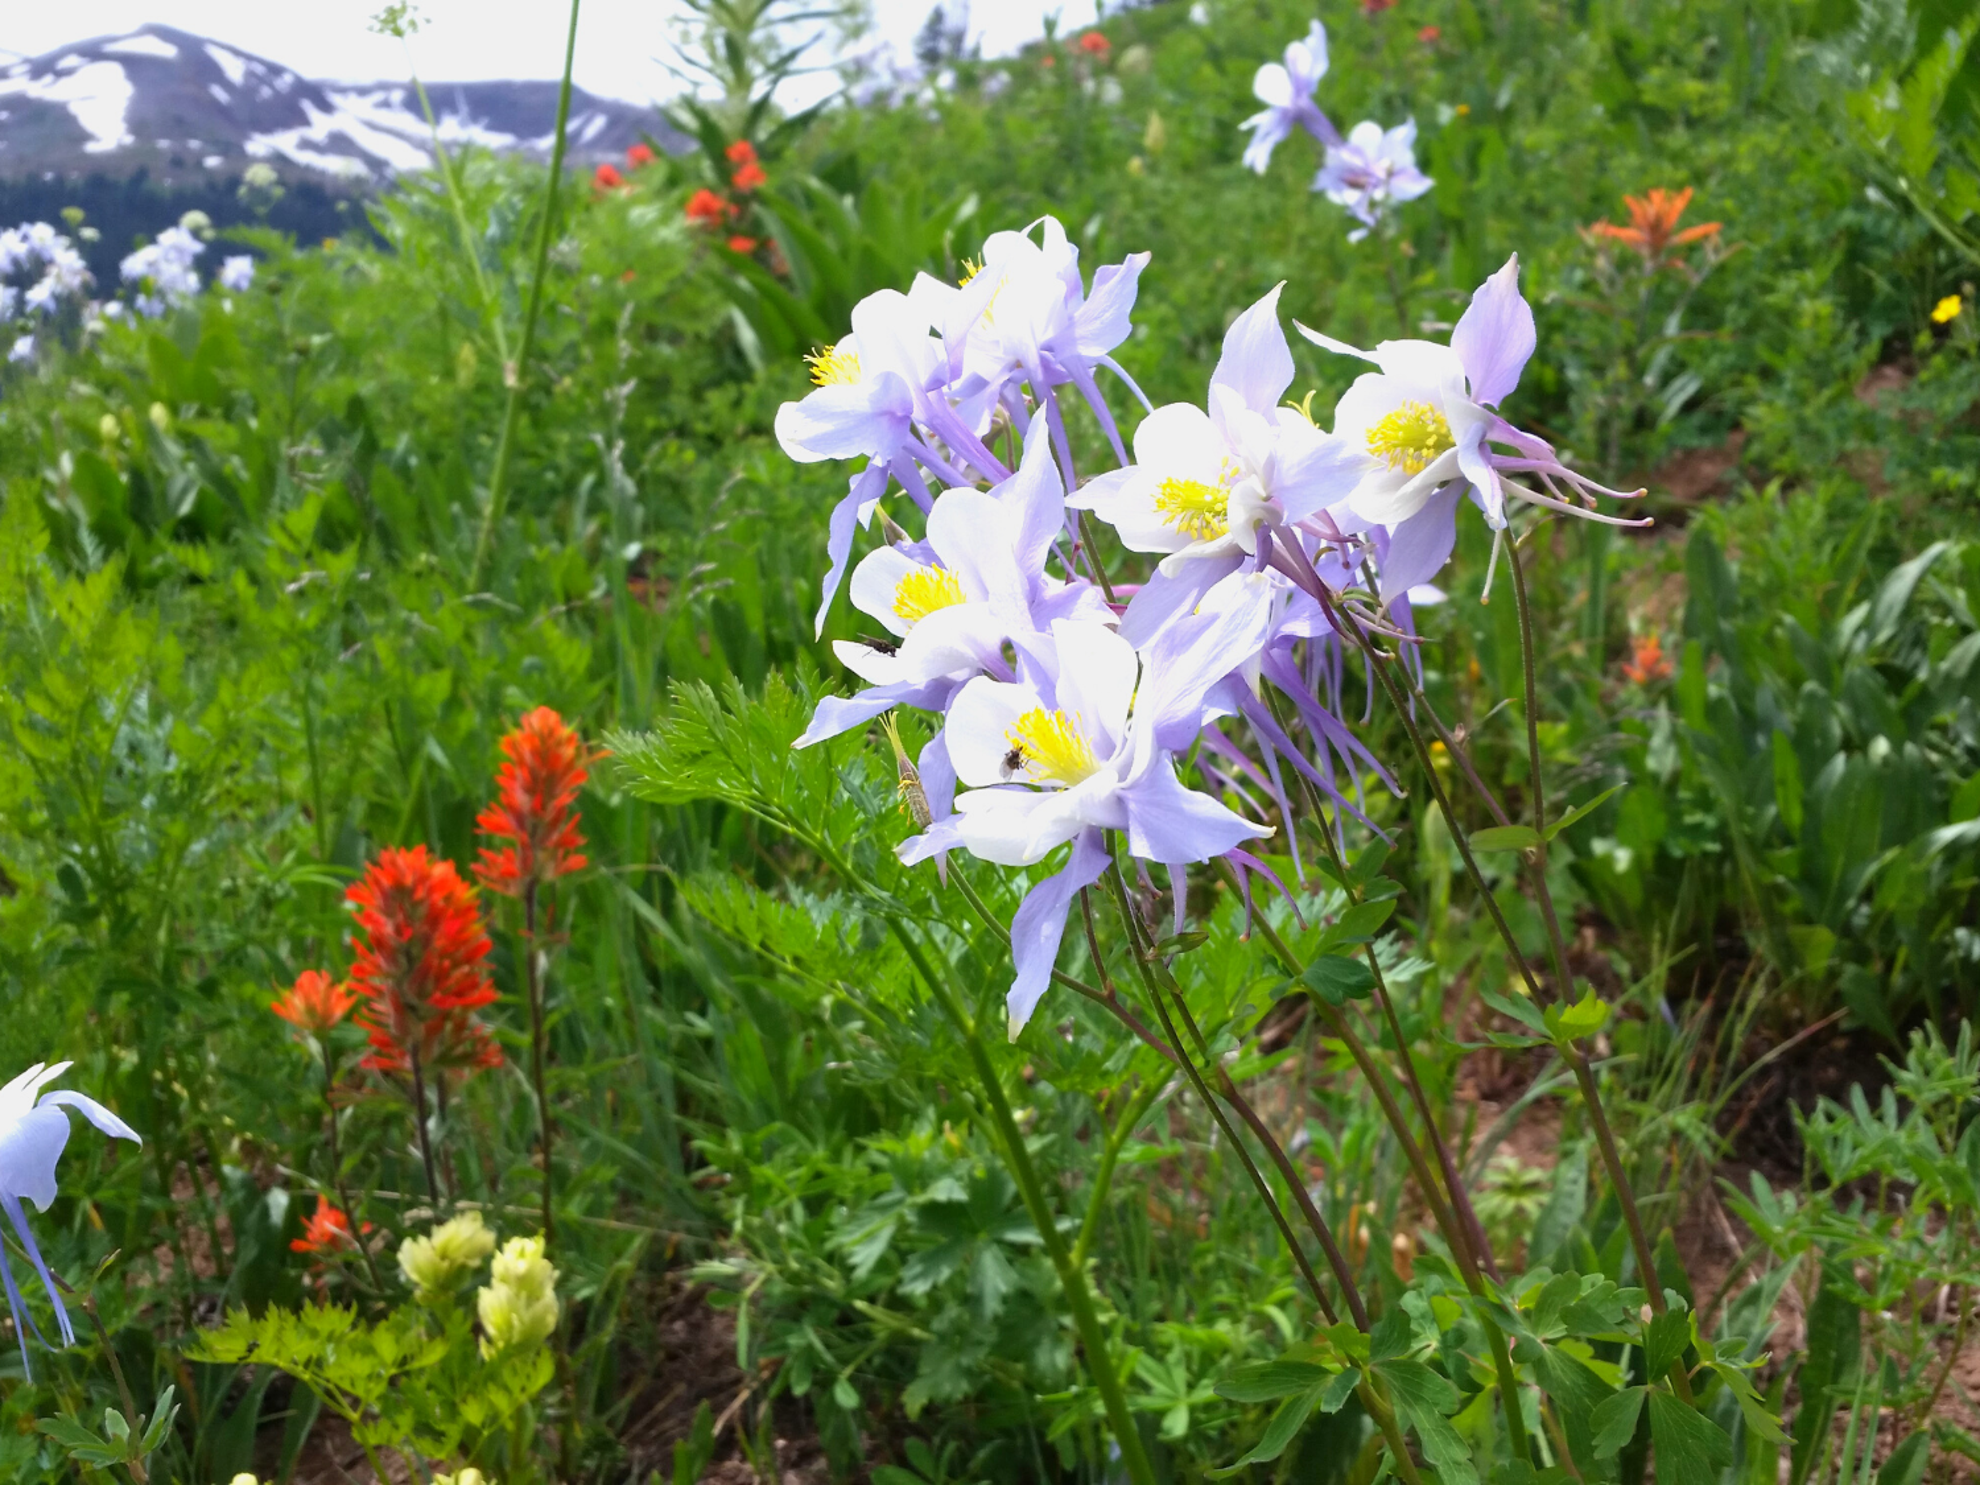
[
  {"x": 1337, "y": 979},
  {"x": 1664, "y": 1340},
  {"x": 1585, "y": 1017},
  {"x": 1182, "y": 943},
  {"x": 1391, "y": 1336},
  {"x": 1519, "y": 1007},
  {"x": 1580, "y": 811},
  {"x": 68, "y": 1433},
  {"x": 1363, "y": 921},
  {"x": 1268, "y": 1381},
  {"x": 161, "y": 1419},
  {"x": 1613, "y": 1421},
  {"x": 1690, "y": 1446},
  {"x": 1281, "y": 1431},
  {"x": 1906, "y": 1466},
  {"x": 1340, "y": 1387},
  {"x": 1423, "y": 1399},
  {"x": 1505, "y": 838}
]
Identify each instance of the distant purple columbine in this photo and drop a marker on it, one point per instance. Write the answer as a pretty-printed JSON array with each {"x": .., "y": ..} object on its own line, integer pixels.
[
  {"x": 1287, "y": 89},
  {"x": 1371, "y": 170}
]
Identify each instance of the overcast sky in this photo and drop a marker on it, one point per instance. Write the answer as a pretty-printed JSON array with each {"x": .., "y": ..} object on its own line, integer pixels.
[{"x": 618, "y": 40}]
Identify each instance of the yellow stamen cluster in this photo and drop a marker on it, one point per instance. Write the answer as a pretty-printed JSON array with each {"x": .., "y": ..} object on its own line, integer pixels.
[
  {"x": 924, "y": 590},
  {"x": 1194, "y": 508},
  {"x": 1411, "y": 437},
  {"x": 833, "y": 367},
  {"x": 1050, "y": 747}
]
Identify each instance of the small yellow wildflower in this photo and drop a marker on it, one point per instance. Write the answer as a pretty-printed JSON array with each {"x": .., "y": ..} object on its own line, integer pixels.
[
  {"x": 518, "y": 1306},
  {"x": 435, "y": 1264},
  {"x": 1947, "y": 309}
]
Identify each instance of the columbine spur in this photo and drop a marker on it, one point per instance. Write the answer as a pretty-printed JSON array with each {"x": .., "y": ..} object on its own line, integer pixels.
[{"x": 33, "y": 1132}]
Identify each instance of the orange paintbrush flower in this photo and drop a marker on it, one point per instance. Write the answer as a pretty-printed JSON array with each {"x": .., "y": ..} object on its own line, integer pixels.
[
  {"x": 639, "y": 156},
  {"x": 706, "y": 209},
  {"x": 607, "y": 178},
  {"x": 1653, "y": 224},
  {"x": 535, "y": 806},
  {"x": 315, "y": 1003},
  {"x": 1647, "y": 663},
  {"x": 749, "y": 178},
  {"x": 326, "y": 1232},
  {"x": 419, "y": 964},
  {"x": 742, "y": 152}
]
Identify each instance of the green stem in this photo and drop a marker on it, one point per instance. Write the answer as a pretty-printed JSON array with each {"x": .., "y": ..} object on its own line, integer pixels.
[
  {"x": 1584, "y": 1077},
  {"x": 1125, "y": 1124},
  {"x": 539, "y": 1055},
  {"x": 498, "y": 479},
  {"x": 1079, "y": 1299},
  {"x": 489, "y": 306},
  {"x": 419, "y": 1125},
  {"x": 1459, "y": 1239},
  {"x": 1146, "y": 963}
]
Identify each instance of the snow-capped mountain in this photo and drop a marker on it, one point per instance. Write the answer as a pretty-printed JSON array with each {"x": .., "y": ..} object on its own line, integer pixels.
[{"x": 183, "y": 107}]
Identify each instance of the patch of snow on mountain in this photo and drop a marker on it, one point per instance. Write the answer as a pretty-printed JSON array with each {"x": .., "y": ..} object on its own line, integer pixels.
[
  {"x": 394, "y": 110},
  {"x": 231, "y": 63},
  {"x": 97, "y": 95},
  {"x": 397, "y": 152}
]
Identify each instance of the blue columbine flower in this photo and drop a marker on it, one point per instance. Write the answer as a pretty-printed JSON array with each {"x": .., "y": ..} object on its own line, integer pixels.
[
  {"x": 1072, "y": 749},
  {"x": 33, "y": 1132},
  {"x": 1423, "y": 425},
  {"x": 1287, "y": 93},
  {"x": 1371, "y": 170}
]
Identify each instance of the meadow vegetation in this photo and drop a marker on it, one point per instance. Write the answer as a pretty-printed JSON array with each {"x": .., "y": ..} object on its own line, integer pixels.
[{"x": 1646, "y": 925}]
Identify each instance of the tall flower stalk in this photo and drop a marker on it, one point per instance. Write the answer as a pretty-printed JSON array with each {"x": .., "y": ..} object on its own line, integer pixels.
[
  {"x": 420, "y": 968},
  {"x": 314, "y": 1007},
  {"x": 535, "y": 813}
]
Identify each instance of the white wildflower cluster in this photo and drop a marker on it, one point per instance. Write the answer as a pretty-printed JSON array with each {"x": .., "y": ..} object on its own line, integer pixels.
[
  {"x": 35, "y": 250},
  {"x": 162, "y": 272}
]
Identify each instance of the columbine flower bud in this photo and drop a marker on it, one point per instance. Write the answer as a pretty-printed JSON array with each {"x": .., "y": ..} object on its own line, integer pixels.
[
  {"x": 518, "y": 1306},
  {"x": 434, "y": 1265}
]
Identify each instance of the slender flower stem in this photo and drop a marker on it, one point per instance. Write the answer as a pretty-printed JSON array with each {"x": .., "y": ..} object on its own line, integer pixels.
[
  {"x": 1467, "y": 1246},
  {"x": 337, "y": 1168},
  {"x": 419, "y": 1124},
  {"x": 1092, "y": 555},
  {"x": 1151, "y": 968},
  {"x": 538, "y": 1052},
  {"x": 1537, "y": 857},
  {"x": 1125, "y": 1124},
  {"x": 1584, "y": 1076},
  {"x": 1460, "y": 1196},
  {"x": 498, "y": 478},
  {"x": 1107, "y": 999},
  {"x": 1146, "y": 966},
  {"x": 1072, "y": 1278},
  {"x": 1079, "y": 1299}
]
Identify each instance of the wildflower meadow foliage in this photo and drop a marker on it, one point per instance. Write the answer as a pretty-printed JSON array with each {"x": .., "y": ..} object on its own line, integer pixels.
[
  {"x": 1074, "y": 706},
  {"x": 963, "y": 790}
]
